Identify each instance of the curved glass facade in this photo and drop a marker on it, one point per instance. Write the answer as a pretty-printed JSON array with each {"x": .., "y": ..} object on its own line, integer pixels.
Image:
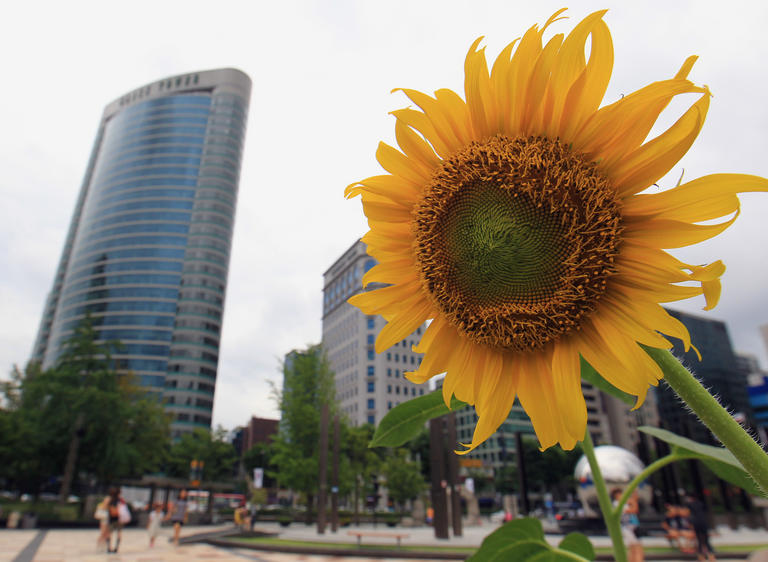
[{"x": 147, "y": 252}]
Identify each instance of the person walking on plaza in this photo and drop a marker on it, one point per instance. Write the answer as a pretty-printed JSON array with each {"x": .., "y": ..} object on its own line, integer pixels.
[
  {"x": 155, "y": 520},
  {"x": 698, "y": 519},
  {"x": 118, "y": 515},
  {"x": 177, "y": 513},
  {"x": 102, "y": 515}
]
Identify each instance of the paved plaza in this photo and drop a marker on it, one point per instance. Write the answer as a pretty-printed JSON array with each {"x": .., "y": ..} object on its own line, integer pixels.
[{"x": 64, "y": 545}]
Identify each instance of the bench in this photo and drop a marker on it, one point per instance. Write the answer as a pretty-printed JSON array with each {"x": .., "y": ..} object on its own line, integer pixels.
[{"x": 361, "y": 534}]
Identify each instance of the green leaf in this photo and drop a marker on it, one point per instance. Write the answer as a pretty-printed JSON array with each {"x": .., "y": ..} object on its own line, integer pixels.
[
  {"x": 523, "y": 539},
  {"x": 403, "y": 422},
  {"x": 718, "y": 459},
  {"x": 578, "y": 544},
  {"x": 589, "y": 374}
]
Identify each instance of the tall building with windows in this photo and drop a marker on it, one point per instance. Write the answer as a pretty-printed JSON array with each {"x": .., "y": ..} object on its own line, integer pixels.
[
  {"x": 719, "y": 370},
  {"x": 147, "y": 252},
  {"x": 368, "y": 384}
]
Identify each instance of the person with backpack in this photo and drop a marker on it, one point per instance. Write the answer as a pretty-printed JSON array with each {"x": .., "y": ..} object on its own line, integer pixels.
[{"x": 118, "y": 515}]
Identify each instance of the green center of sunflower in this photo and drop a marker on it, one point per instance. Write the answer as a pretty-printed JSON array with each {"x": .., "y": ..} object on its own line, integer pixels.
[
  {"x": 515, "y": 239},
  {"x": 503, "y": 247}
]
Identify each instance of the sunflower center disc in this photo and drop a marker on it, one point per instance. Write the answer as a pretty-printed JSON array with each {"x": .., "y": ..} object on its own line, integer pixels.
[{"x": 515, "y": 239}]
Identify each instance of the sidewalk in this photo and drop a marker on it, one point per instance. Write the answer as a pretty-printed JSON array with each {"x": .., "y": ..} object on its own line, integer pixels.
[{"x": 73, "y": 545}]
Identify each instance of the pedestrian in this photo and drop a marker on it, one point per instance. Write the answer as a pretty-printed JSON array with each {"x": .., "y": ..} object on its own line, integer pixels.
[
  {"x": 629, "y": 523},
  {"x": 177, "y": 513},
  {"x": 700, "y": 524},
  {"x": 155, "y": 520},
  {"x": 115, "y": 521},
  {"x": 102, "y": 516}
]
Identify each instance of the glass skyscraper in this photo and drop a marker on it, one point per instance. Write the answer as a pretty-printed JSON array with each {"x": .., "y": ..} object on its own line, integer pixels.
[{"x": 147, "y": 252}]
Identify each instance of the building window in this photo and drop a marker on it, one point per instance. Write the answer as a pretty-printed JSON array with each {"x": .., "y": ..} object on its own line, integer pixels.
[
  {"x": 389, "y": 388},
  {"x": 368, "y": 265},
  {"x": 397, "y": 390},
  {"x": 389, "y": 356},
  {"x": 371, "y": 339},
  {"x": 371, "y": 420},
  {"x": 421, "y": 392},
  {"x": 389, "y": 372},
  {"x": 371, "y": 386},
  {"x": 397, "y": 373},
  {"x": 397, "y": 358},
  {"x": 371, "y": 322},
  {"x": 389, "y": 405},
  {"x": 371, "y": 354},
  {"x": 371, "y": 370},
  {"x": 371, "y": 403},
  {"x": 413, "y": 361}
]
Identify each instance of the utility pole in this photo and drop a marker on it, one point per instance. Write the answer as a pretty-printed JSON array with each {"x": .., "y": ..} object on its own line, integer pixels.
[
  {"x": 439, "y": 483},
  {"x": 453, "y": 476},
  {"x": 521, "y": 473}
]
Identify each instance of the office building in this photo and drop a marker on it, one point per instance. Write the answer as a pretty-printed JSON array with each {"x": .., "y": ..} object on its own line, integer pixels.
[
  {"x": 719, "y": 371},
  {"x": 147, "y": 251},
  {"x": 368, "y": 384}
]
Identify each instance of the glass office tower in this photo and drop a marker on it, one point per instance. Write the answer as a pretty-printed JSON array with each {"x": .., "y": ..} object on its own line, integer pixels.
[{"x": 147, "y": 251}]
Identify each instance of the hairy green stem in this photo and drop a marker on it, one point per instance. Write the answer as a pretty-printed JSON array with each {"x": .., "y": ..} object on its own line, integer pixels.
[
  {"x": 714, "y": 416},
  {"x": 611, "y": 520}
]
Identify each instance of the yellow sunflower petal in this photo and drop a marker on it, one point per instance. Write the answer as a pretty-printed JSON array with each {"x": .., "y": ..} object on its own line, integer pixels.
[
  {"x": 477, "y": 89},
  {"x": 536, "y": 109},
  {"x": 412, "y": 313},
  {"x": 536, "y": 390},
  {"x": 619, "y": 128},
  {"x": 566, "y": 374},
  {"x": 415, "y": 147},
  {"x": 374, "y": 302},
  {"x": 652, "y": 315},
  {"x": 458, "y": 361},
  {"x": 570, "y": 66},
  {"x": 705, "y": 198},
  {"x": 658, "y": 292},
  {"x": 587, "y": 91},
  {"x": 654, "y": 159},
  {"x": 390, "y": 272},
  {"x": 663, "y": 233},
  {"x": 394, "y": 188},
  {"x": 520, "y": 68},
  {"x": 383, "y": 209},
  {"x": 398, "y": 164},
  {"x": 497, "y": 398},
  {"x": 420, "y": 122},
  {"x": 610, "y": 316},
  {"x": 438, "y": 117}
]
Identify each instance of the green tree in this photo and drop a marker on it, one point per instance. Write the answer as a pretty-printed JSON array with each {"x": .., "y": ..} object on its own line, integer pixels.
[
  {"x": 404, "y": 479},
  {"x": 307, "y": 385},
  {"x": 78, "y": 417},
  {"x": 211, "y": 447}
]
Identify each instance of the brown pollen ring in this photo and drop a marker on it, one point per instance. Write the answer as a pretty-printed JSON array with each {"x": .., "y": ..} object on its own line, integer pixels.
[{"x": 515, "y": 240}]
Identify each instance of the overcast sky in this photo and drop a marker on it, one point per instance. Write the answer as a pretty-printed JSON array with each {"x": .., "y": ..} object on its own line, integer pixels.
[{"x": 322, "y": 73}]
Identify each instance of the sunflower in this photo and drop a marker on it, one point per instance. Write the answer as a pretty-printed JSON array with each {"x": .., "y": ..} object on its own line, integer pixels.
[{"x": 514, "y": 220}]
